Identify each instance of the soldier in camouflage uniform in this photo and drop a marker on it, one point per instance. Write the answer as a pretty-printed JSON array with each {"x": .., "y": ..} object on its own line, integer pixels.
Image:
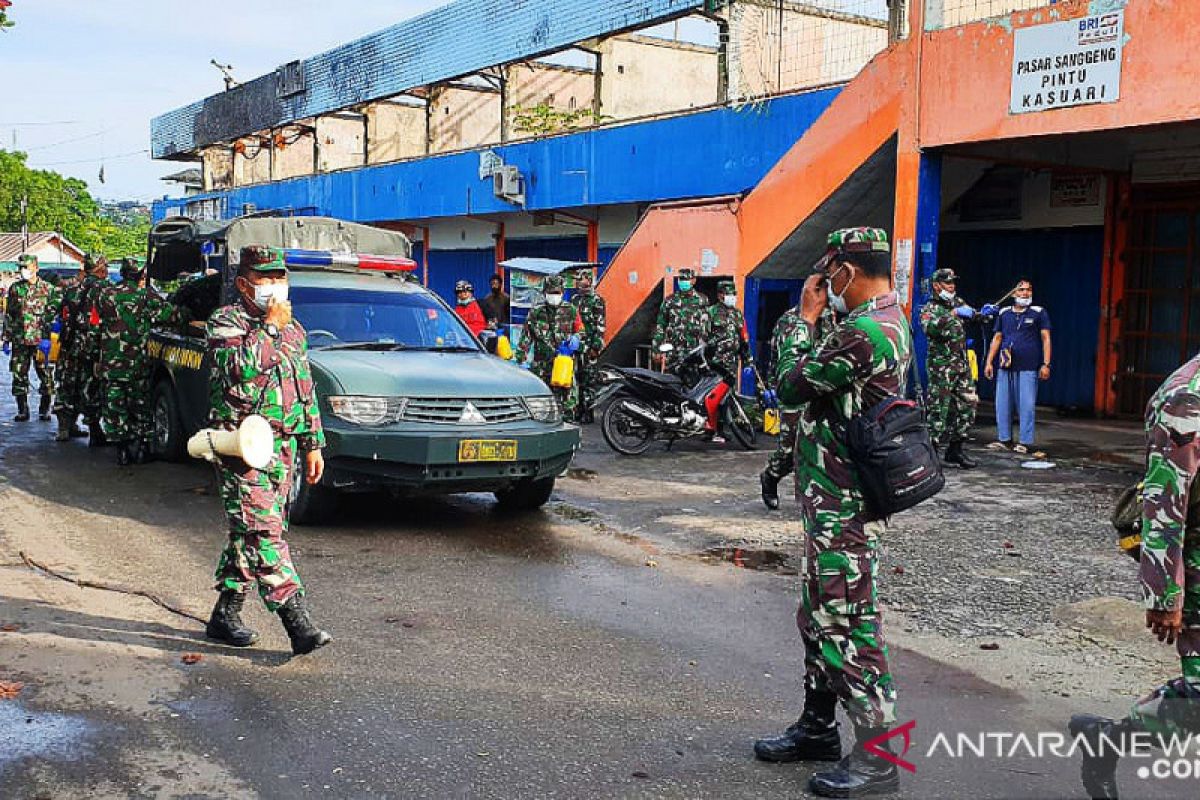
[
  {"x": 260, "y": 366},
  {"x": 683, "y": 323},
  {"x": 785, "y": 339},
  {"x": 594, "y": 315},
  {"x": 726, "y": 335},
  {"x": 29, "y": 311},
  {"x": 77, "y": 360},
  {"x": 126, "y": 316},
  {"x": 548, "y": 327},
  {"x": 1170, "y": 582},
  {"x": 862, "y": 361},
  {"x": 951, "y": 390}
]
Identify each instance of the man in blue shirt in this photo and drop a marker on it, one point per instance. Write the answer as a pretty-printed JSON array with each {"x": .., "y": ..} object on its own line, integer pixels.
[{"x": 1022, "y": 342}]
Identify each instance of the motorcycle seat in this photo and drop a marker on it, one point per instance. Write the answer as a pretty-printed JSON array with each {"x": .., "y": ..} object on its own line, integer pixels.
[{"x": 665, "y": 378}]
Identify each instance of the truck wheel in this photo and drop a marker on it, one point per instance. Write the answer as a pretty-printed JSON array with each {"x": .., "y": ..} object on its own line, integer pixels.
[
  {"x": 168, "y": 443},
  {"x": 311, "y": 505},
  {"x": 526, "y": 495}
]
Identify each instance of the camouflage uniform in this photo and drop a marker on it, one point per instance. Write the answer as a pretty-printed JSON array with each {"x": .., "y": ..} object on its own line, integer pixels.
[
  {"x": 1170, "y": 563},
  {"x": 28, "y": 313},
  {"x": 546, "y": 328},
  {"x": 593, "y": 314},
  {"x": 863, "y": 360},
  {"x": 256, "y": 372},
  {"x": 726, "y": 335},
  {"x": 126, "y": 316},
  {"x": 71, "y": 365},
  {"x": 683, "y": 322},
  {"x": 785, "y": 339},
  {"x": 951, "y": 390}
]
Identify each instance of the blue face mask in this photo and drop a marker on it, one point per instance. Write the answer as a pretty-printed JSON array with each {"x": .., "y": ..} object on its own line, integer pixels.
[{"x": 685, "y": 286}]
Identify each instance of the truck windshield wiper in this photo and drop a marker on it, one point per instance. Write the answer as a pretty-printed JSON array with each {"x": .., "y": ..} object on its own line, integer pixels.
[
  {"x": 364, "y": 346},
  {"x": 450, "y": 348}
]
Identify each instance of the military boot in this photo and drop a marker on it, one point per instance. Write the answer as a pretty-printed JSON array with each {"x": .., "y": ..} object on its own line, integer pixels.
[
  {"x": 861, "y": 773},
  {"x": 955, "y": 455},
  {"x": 96, "y": 437},
  {"x": 305, "y": 636},
  {"x": 813, "y": 737},
  {"x": 44, "y": 408},
  {"x": 142, "y": 454},
  {"x": 124, "y": 454},
  {"x": 770, "y": 489},
  {"x": 65, "y": 423},
  {"x": 22, "y": 408},
  {"x": 225, "y": 624},
  {"x": 1099, "y": 769}
]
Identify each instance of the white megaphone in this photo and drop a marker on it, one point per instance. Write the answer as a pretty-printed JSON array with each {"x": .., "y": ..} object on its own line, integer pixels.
[{"x": 253, "y": 442}]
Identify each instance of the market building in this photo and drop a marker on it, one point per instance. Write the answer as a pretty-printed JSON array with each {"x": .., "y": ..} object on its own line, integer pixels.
[{"x": 1004, "y": 138}]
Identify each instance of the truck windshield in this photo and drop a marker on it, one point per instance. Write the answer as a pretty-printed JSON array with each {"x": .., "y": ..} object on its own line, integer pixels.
[{"x": 353, "y": 318}]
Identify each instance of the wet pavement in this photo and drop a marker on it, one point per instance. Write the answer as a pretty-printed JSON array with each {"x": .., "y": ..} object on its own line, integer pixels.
[{"x": 618, "y": 646}]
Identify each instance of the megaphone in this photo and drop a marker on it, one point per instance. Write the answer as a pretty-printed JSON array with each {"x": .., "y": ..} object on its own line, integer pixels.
[{"x": 253, "y": 442}]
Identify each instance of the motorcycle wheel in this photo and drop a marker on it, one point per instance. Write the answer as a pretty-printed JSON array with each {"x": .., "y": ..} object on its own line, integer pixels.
[
  {"x": 624, "y": 432},
  {"x": 737, "y": 422}
]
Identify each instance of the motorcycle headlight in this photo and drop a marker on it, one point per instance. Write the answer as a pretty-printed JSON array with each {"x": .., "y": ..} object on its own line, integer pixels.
[
  {"x": 544, "y": 408},
  {"x": 363, "y": 410}
]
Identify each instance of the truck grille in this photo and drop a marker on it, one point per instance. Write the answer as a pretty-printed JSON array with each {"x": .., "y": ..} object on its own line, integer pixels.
[{"x": 449, "y": 411}]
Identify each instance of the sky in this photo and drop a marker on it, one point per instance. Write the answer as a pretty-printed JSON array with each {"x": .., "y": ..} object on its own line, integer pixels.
[{"x": 82, "y": 79}]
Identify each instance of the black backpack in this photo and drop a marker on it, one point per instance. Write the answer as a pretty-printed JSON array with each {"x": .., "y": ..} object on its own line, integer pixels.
[{"x": 895, "y": 460}]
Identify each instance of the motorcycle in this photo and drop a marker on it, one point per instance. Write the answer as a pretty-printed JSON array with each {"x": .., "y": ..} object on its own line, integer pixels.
[{"x": 645, "y": 405}]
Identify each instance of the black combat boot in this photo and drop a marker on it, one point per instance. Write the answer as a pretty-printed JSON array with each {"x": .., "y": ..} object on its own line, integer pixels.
[
  {"x": 65, "y": 424},
  {"x": 1104, "y": 738},
  {"x": 44, "y": 408},
  {"x": 225, "y": 624},
  {"x": 22, "y": 408},
  {"x": 955, "y": 455},
  {"x": 861, "y": 773},
  {"x": 124, "y": 454},
  {"x": 96, "y": 437},
  {"x": 305, "y": 636},
  {"x": 813, "y": 737},
  {"x": 142, "y": 454},
  {"x": 770, "y": 489}
]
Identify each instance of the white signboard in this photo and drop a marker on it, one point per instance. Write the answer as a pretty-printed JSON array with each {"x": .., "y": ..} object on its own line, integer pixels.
[
  {"x": 1063, "y": 64},
  {"x": 904, "y": 265}
]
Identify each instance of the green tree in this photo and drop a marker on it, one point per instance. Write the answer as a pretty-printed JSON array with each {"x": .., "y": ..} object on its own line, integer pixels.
[{"x": 544, "y": 119}]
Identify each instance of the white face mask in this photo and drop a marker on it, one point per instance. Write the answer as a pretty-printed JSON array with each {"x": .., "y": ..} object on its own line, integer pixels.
[
  {"x": 27, "y": 274},
  {"x": 554, "y": 299},
  {"x": 264, "y": 293},
  {"x": 948, "y": 296},
  {"x": 838, "y": 301},
  {"x": 1023, "y": 302},
  {"x": 729, "y": 300}
]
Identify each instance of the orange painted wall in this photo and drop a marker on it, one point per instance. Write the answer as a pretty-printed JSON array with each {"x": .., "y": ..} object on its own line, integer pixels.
[
  {"x": 966, "y": 75},
  {"x": 668, "y": 235}
]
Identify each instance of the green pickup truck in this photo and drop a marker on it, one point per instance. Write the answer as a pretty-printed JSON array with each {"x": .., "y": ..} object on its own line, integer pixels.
[{"x": 410, "y": 400}]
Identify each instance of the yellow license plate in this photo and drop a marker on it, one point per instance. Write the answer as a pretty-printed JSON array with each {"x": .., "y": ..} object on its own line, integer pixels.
[{"x": 487, "y": 450}]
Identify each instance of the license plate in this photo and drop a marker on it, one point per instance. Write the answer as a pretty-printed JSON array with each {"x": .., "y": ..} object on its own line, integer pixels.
[{"x": 487, "y": 450}]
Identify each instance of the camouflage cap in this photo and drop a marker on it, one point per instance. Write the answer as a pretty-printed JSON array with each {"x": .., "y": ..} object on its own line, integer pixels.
[
  {"x": 260, "y": 258},
  {"x": 553, "y": 283},
  {"x": 27, "y": 258},
  {"x": 89, "y": 261},
  {"x": 726, "y": 287},
  {"x": 130, "y": 268},
  {"x": 944, "y": 275},
  {"x": 687, "y": 274},
  {"x": 859, "y": 240}
]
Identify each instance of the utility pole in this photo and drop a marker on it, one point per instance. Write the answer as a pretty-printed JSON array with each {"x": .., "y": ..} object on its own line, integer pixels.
[{"x": 25, "y": 221}]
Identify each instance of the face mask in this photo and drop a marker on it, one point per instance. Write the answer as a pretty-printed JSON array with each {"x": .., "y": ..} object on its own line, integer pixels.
[
  {"x": 685, "y": 286},
  {"x": 554, "y": 299},
  {"x": 838, "y": 301},
  {"x": 465, "y": 301},
  {"x": 948, "y": 296},
  {"x": 26, "y": 275},
  {"x": 1023, "y": 302},
  {"x": 730, "y": 300},
  {"x": 264, "y": 293}
]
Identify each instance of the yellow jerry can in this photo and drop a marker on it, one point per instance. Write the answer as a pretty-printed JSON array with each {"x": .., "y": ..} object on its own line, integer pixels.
[
  {"x": 54, "y": 345},
  {"x": 504, "y": 348},
  {"x": 973, "y": 360},
  {"x": 771, "y": 421},
  {"x": 562, "y": 376}
]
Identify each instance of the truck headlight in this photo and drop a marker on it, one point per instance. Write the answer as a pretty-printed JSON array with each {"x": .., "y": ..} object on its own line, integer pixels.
[
  {"x": 544, "y": 408},
  {"x": 363, "y": 410}
]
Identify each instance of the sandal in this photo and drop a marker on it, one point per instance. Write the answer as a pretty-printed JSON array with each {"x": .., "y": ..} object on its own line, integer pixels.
[
  {"x": 1020, "y": 448},
  {"x": 997, "y": 446}
]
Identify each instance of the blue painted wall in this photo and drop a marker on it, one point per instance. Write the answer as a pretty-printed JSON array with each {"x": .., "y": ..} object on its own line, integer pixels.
[
  {"x": 714, "y": 152},
  {"x": 1065, "y": 266}
]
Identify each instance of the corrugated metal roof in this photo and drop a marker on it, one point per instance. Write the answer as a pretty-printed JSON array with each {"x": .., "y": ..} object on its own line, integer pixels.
[
  {"x": 544, "y": 266},
  {"x": 13, "y": 244}
]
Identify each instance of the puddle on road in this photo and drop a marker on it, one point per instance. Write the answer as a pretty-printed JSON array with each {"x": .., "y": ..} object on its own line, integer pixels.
[
  {"x": 38, "y": 734},
  {"x": 757, "y": 560}
]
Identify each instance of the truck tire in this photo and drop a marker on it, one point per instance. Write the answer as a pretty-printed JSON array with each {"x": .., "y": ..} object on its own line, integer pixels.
[
  {"x": 527, "y": 495},
  {"x": 168, "y": 441},
  {"x": 311, "y": 505}
]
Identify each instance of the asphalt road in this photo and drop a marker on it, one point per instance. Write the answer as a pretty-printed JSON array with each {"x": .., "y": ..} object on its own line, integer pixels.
[{"x": 475, "y": 655}]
